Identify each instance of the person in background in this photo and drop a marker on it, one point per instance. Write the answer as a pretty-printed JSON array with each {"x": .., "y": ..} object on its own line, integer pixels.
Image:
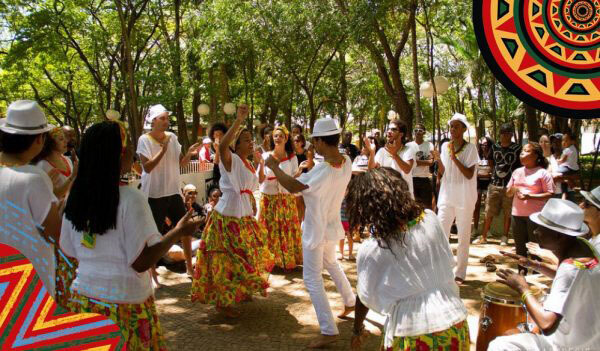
[
  {"x": 421, "y": 175},
  {"x": 556, "y": 149},
  {"x": 404, "y": 271},
  {"x": 214, "y": 194},
  {"x": 348, "y": 233},
  {"x": 71, "y": 137},
  {"x": 299, "y": 143},
  {"x": 435, "y": 170},
  {"x": 567, "y": 163},
  {"x": 62, "y": 170},
  {"x": 190, "y": 194},
  {"x": 215, "y": 133},
  {"x": 530, "y": 186},
  {"x": 112, "y": 233},
  {"x": 362, "y": 160},
  {"x": 504, "y": 160},
  {"x": 205, "y": 152},
  {"x": 350, "y": 149},
  {"x": 396, "y": 154},
  {"x": 484, "y": 149},
  {"x": 546, "y": 145},
  {"x": 458, "y": 191},
  {"x": 161, "y": 157},
  {"x": 591, "y": 211},
  {"x": 22, "y": 137},
  {"x": 569, "y": 317},
  {"x": 265, "y": 133},
  {"x": 296, "y": 130}
]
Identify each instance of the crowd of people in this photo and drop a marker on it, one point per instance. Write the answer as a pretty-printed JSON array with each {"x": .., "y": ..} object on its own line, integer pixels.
[{"x": 105, "y": 238}]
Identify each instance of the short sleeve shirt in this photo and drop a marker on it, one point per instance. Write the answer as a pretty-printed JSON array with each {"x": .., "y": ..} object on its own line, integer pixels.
[
  {"x": 115, "y": 251},
  {"x": 457, "y": 190},
  {"x": 164, "y": 179},
  {"x": 323, "y": 199},
  {"x": 506, "y": 160},
  {"x": 571, "y": 153},
  {"x": 26, "y": 197},
  {"x": 236, "y": 186},
  {"x": 530, "y": 181},
  {"x": 422, "y": 153},
  {"x": 385, "y": 159},
  {"x": 270, "y": 185}
]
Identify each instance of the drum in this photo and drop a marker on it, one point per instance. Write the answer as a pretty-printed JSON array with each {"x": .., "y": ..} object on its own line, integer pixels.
[{"x": 501, "y": 311}]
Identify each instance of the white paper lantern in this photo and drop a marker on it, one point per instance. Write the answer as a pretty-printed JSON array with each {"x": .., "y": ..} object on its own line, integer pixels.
[
  {"x": 441, "y": 84},
  {"x": 113, "y": 115},
  {"x": 229, "y": 108},
  {"x": 256, "y": 122},
  {"x": 203, "y": 109},
  {"x": 392, "y": 115}
]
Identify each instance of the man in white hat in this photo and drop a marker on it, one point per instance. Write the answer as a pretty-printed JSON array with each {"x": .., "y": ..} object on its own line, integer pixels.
[
  {"x": 29, "y": 209},
  {"x": 570, "y": 315},
  {"x": 458, "y": 191},
  {"x": 591, "y": 210},
  {"x": 161, "y": 157},
  {"x": 205, "y": 154},
  {"x": 323, "y": 189}
]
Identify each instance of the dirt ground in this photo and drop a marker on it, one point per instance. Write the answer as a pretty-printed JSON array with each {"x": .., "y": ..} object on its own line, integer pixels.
[{"x": 286, "y": 320}]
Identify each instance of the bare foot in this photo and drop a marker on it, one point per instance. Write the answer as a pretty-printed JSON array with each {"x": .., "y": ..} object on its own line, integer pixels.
[
  {"x": 347, "y": 311},
  {"x": 321, "y": 341}
]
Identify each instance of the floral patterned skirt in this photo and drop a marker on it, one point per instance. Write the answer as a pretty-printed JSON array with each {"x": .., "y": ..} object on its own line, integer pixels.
[
  {"x": 232, "y": 262},
  {"x": 279, "y": 215},
  {"x": 138, "y": 322},
  {"x": 65, "y": 272},
  {"x": 455, "y": 338}
]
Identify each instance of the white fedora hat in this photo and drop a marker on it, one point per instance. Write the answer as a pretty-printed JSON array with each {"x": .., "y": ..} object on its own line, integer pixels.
[
  {"x": 561, "y": 216},
  {"x": 155, "y": 111},
  {"x": 592, "y": 196},
  {"x": 325, "y": 127},
  {"x": 461, "y": 118},
  {"x": 25, "y": 117}
]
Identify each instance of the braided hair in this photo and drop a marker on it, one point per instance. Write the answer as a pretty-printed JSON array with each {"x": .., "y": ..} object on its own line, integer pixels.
[{"x": 94, "y": 198}]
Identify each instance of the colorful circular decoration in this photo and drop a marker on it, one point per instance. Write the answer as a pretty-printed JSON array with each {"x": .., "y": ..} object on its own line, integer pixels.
[{"x": 545, "y": 52}]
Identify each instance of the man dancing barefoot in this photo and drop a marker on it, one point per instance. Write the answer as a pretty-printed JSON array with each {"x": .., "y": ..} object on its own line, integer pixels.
[{"x": 323, "y": 190}]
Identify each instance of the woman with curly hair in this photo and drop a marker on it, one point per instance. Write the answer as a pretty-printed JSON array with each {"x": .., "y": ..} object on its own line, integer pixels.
[
  {"x": 405, "y": 268},
  {"x": 233, "y": 262},
  {"x": 278, "y": 211},
  {"x": 112, "y": 233},
  {"x": 531, "y": 185}
]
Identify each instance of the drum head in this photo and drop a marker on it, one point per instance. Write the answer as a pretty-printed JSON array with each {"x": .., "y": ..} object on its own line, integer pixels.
[{"x": 502, "y": 293}]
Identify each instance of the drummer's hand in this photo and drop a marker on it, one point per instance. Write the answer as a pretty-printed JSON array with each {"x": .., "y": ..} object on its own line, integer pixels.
[
  {"x": 521, "y": 260},
  {"x": 546, "y": 255},
  {"x": 513, "y": 279}
]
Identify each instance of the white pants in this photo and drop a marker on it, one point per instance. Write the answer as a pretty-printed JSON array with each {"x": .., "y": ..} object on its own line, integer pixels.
[
  {"x": 314, "y": 261},
  {"x": 524, "y": 342},
  {"x": 447, "y": 213}
]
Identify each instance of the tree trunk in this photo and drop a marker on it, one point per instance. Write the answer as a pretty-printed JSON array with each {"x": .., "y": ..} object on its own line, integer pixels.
[
  {"x": 213, "y": 94},
  {"x": 343, "y": 91},
  {"x": 532, "y": 123},
  {"x": 415, "y": 64},
  {"x": 224, "y": 86},
  {"x": 493, "y": 103}
]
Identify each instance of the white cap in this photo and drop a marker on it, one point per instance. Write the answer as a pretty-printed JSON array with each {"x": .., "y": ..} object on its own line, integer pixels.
[
  {"x": 25, "y": 117},
  {"x": 206, "y": 140},
  {"x": 189, "y": 187},
  {"x": 461, "y": 118},
  {"x": 562, "y": 216},
  {"x": 155, "y": 111},
  {"x": 325, "y": 127}
]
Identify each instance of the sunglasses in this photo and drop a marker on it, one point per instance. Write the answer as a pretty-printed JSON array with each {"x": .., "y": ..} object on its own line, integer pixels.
[
  {"x": 393, "y": 130},
  {"x": 419, "y": 130}
]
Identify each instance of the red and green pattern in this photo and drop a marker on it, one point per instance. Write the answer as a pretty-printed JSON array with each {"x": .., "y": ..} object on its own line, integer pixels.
[
  {"x": 455, "y": 338},
  {"x": 232, "y": 262},
  {"x": 31, "y": 320},
  {"x": 279, "y": 215},
  {"x": 545, "y": 52}
]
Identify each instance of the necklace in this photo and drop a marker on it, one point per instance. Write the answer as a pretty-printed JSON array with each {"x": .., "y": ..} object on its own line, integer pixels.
[
  {"x": 248, "y": 165},
  {"x": 414, "y": 221}
]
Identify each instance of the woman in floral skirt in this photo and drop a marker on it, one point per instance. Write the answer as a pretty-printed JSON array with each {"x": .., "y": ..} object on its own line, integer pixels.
[
  {"x": 233, "y": 261},
  {"x": 278, "y": 208}
]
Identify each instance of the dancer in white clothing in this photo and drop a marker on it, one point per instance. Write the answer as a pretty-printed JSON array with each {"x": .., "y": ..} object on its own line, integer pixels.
[
  {"x": 458, "y": 192},
  {"x": 323, "y": 191}
]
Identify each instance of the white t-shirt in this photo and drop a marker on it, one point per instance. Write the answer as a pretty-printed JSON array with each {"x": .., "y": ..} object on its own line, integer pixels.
[
  {"x": 553, "y": 169},
  {"x": 385, "y": 159},
  {"x": 456, "y": 190},
  {"x": 323, "y": 199},
  {"x": 26, "y": 197},
  {"x": 270, "y": 185},
  {"x": 62, "y": 177},
  {"x": 105, "y": 271},
  {"x": 574, "y": 295},
  {"x": 422, "y": 153},
  {"x": 164, "y": 178},
  {"x": 571, "y": 153},
  {"x": 413, "y": 286},
  {"x": 235, "y": 202}
]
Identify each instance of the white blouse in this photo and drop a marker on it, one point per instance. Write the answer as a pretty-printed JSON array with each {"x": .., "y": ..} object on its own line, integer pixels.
[
  {"x": 236, "y": 186},
  {"x": 62, "y": 177},
  {"x": 413, "y": 285},
  {"x": 456, "y": 189},
  {"x": 105, "y": 271},
  {"x": 270, "y": 185}
]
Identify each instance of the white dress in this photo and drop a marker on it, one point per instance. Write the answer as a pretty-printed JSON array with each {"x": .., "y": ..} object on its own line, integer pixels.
[{"x": 413, "y": 286}]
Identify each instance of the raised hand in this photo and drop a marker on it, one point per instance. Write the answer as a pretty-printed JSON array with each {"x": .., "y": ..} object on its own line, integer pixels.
[
  {"x": 367, "y": 144},
  {"x": 242, "y": 111},
  {"x": 187, "y": 225},
  {"x": 193, "y": 150}
]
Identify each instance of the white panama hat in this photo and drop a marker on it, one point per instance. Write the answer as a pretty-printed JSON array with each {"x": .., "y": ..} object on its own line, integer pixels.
[
  {"x": 325, "y": 127},
  {"x": 155, "y": 111},
  {"x": 461, "y": 118},
  {"x": 562, "y": 216},
  {"x": 25, "y": 117},
  {"x": 592, "y": 196}
]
